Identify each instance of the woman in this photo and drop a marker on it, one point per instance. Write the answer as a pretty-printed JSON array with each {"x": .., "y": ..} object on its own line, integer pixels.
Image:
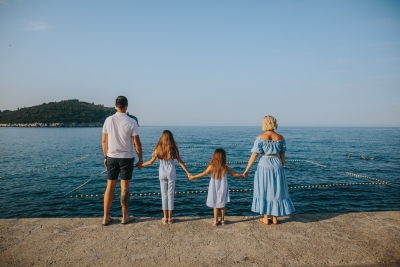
[{"x": 271, "y": 196}]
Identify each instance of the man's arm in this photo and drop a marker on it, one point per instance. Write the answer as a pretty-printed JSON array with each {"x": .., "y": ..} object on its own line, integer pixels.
[
  {"x": 138, "y": 149},
  {"x": 104, "y": 145}
]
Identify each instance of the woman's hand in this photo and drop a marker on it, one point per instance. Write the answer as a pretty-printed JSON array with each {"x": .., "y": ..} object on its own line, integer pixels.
[
  {"x": 105, "y": 163},
  {"x": 190, "y": 177},
  {"x": 252, "y": 159}
]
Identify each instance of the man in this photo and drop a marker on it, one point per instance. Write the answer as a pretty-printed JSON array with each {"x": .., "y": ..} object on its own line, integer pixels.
[{"x": 118, "y": 132}]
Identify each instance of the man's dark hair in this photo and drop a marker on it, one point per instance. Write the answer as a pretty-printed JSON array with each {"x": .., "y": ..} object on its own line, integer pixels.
[{"x": 121, "y": 102}]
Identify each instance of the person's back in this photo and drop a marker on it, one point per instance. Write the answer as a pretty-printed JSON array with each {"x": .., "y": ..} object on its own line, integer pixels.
[
  {"x": 166, "y": 151},
  {"x": 118, "y": 132},
  {"x": 121, "y": 129},
  {"x": 270, "y": 194},
  {"x": 271, "y": 135}
]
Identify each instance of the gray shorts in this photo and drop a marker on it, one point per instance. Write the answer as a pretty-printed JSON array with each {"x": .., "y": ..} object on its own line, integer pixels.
[{"x": 116, "y": 166}]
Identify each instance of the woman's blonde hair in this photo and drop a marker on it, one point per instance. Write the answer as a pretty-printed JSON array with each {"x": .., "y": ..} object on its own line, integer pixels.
[
  {"x": 269, "y": 123},
  {"x": 166, "y": 147},
  {"x": 218, "y": 164}
]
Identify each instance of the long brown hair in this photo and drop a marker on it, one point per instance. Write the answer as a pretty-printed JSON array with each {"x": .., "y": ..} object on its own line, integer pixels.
[
  {"x": 218, "y": 164},
  {"x": 166, "y": 147}
]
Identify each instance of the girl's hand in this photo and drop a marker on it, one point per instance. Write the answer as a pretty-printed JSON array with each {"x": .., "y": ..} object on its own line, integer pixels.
[
  {"x": 245, "y": 174},
  {"x": 190, "y": 177}
]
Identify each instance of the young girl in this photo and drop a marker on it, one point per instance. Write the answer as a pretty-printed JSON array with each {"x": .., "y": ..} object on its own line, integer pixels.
[
  {"x": 218, "y": 192},
  {"x": 166, "y": 151}
]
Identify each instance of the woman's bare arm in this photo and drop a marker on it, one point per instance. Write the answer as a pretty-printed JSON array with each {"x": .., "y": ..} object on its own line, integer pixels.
[
  {"x": 283, "y": 158},
  {"x": 252, "y": 159}
]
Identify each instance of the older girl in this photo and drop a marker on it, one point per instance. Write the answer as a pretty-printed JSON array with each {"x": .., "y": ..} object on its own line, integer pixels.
[{"x": 166, "y": 151}]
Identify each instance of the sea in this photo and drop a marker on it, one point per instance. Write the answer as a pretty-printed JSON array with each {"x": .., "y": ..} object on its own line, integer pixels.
[{"x": 59, "y": 172}]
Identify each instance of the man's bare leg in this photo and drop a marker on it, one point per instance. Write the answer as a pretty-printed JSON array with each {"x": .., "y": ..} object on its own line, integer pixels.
[
  {"x": 125, "y": 197},
  {"x": 108, "y": 198}
]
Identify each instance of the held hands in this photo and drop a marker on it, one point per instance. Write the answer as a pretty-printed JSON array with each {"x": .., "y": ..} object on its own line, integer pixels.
[
  {"x": 190, "y": 177},
  {"x": 139, "y": 165}
]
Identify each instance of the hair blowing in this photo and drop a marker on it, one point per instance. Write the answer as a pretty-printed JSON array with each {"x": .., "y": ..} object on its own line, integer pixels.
[
  {"x": 166, "y": 147},
  {"x": 218, "y": 164}
]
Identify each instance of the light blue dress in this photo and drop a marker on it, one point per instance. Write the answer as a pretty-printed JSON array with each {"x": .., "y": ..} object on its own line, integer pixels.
[
  {"x": 218, "y": 193},
  {"x": 271, "y": 195}
]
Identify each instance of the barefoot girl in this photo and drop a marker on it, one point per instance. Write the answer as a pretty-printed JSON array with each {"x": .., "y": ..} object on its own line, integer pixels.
[
  {"x": 218, "y": 192},
  {"x": 166, "y": 151}
]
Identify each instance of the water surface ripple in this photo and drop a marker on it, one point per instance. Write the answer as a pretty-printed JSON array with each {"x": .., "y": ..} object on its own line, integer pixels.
[{"x": 40, "y": 166}]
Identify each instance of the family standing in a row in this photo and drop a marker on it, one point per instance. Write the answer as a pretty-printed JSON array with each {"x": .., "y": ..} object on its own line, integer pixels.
[{"x": 271, "y": 196}]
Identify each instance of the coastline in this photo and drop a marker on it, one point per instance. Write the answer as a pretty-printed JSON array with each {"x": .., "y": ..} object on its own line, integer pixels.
[
  {"x": 353, "y": 239},
  {"x": 55, "y": 124}
]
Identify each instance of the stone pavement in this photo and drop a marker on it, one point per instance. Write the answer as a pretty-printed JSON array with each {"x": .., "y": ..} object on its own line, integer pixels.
[{"x": 354, "y": 239}]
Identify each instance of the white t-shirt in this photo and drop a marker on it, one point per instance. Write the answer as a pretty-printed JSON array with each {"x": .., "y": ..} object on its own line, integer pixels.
[{"x": 120, "y": 129}]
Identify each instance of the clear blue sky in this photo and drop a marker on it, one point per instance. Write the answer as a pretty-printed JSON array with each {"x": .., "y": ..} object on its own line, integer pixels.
[{"x": 308, "y": 63}]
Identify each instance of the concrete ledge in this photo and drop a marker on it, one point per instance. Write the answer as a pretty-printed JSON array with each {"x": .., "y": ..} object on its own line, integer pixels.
[{"x": 355, "y": 239}]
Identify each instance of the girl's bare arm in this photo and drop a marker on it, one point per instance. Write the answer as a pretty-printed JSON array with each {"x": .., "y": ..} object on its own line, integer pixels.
[
  {"x": 182, "y": 164},
  {"x": 148, "y": 163},
  {"x": 207, "y": 171},
  {"x": 236, "y": 175}
]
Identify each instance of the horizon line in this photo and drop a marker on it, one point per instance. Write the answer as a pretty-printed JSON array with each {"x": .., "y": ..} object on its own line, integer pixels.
[{"x": 331, "y": 126}]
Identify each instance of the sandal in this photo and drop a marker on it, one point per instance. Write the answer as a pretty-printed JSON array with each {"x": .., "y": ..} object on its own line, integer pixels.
[
  {"x": 107, "y": 222},
  {"x": 170, "y": 220},
  {"x": 128, "y": 220},
  {"x": 222, "y": 222},
  {"x": 215, "y": 223},
  {"x": 164, "y": 220}
]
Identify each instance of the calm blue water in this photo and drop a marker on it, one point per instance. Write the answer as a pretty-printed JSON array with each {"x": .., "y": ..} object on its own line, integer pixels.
[{"x": 32, "y": 186}]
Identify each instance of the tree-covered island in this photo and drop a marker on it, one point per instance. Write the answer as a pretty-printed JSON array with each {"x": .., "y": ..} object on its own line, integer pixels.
[{"x": 66, "y": 113}]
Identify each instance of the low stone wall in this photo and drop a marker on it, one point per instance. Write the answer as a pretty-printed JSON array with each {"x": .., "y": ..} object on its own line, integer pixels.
[{"x": 56, "y": 124}]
